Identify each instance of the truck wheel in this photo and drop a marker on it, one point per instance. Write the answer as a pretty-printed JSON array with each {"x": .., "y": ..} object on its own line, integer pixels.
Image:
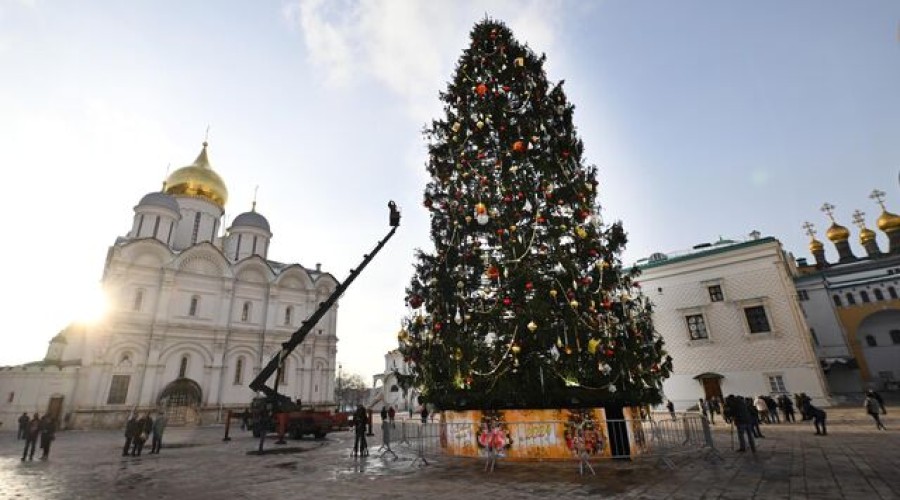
[{"x": 319, "y": 434}]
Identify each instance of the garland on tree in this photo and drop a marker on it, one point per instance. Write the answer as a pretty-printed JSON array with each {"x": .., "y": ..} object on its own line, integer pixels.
[{"x": 524, "y": 302}]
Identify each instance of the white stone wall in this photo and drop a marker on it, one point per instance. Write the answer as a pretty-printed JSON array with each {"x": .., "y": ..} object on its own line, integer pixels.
[
  {"x": 29, "y": 389},
  {"x": 749, "y": 275}
]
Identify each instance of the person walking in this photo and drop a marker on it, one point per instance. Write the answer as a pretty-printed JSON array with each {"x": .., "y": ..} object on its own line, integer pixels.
[
  {"x": 872, "y": 408},
  {"x": 391, "y": 414},
  {"x": 131, "y": 430},
  {"x": 23, "y": 425},
  {"x": 671, "y": 407},
  {"x": 159, "y": 426},
  {"x": 384, "y": 414},
  {"x": 31, "y": 436},
  {"x": 48, "y": 434},
  {"x": 877, "y": 397},
  {"x": 424, "y": 414}
]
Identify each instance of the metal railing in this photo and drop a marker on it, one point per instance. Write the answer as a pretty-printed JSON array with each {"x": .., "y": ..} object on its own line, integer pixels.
[{"x": 659, "y": 439}]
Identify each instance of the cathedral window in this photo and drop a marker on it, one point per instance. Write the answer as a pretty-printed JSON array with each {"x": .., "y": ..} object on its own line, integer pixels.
[
  {"x": 715, "y": 293},
  {"x": 878, "y": 294},
  {"x": 196, "y": 230},
  {"x": 870, "y": 341},
  {"x": 288, "y": 313},
  {"x": 169, "y": 238},
  {"x": 697, "y": 327},
  {"x": 182, "y": 370},
  {"x": 156, "y": 228},
  {"x": 892, "y": 292},
  {"x": 895, "y": 337},
  {"x": 850, "y": 299},
  {"x": 245, "y": 312},
  {"x": 837, "y": 300},
  {"x": 864, "y": 295},
  {"x": 237, "y": 248},
  {"x": 140, "y": 225},
  {"x": 195, "y": 305},
  {"x": 138, "y": 300},
  {"x": 776, "y": 384},
  {"x": 118, "y": 389},
  {"x": 254, "y": 245},
  {"x": 239, "y": 371},
  {"x": 757, "y": 320}
]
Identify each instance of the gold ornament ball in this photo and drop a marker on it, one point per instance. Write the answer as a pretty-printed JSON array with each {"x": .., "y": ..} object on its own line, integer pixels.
[
  {"x": 532, "y": 326},
  {"x": 574, "y": 304},
  {"x": 553, "y": 293},
  {"x": 516, "y": 349}
]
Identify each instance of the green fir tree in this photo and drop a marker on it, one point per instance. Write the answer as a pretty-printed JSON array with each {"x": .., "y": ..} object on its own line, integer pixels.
[{"x": 524, "y": 302}]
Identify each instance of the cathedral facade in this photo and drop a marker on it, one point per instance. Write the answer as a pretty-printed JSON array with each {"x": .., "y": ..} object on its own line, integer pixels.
[{"x": 195, "y": 313}]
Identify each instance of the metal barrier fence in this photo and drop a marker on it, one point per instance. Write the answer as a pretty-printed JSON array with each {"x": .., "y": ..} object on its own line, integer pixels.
[{"x": 659, "y": 439}]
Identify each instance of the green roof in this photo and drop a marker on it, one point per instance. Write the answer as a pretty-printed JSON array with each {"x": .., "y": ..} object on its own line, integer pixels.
[{"x": 704, "y": 252}]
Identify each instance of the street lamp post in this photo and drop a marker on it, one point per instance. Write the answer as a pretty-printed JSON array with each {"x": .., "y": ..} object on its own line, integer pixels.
[{"x": 340, "y": 388}]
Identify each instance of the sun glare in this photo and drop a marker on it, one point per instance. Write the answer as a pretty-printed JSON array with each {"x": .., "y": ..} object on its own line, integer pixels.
[{"x": 90, "y": 306}]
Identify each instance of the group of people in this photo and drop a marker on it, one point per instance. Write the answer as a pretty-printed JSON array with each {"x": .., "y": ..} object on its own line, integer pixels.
[
  {"x": 138, "y": 430},
  {"x": 747, "y": 413},
  {"x": 388, "y": 414},
  {"x": 34, "y": 428}
]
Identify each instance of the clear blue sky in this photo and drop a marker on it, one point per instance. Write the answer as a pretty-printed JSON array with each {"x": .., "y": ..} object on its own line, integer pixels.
[{"x": 706, "y": 119}]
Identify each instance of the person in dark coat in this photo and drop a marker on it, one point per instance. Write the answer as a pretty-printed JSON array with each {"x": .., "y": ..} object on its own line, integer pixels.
[
  {"x": 131, "y": 431},
  {"x": 360, "y": 447},
  {"x": 48, "y": 434},
  {"x": 787, "y": 408},
  {"x": 23, "y": 425},
  {"x": 872, "y": 408},
  {"x": 740, "y": 416},
  {"x": 391, "y": 414},
  {"x": 31, "y": 436},
  {"x": 877, "y": 397},
  {"x": 144, "y": 428},
  {"x": 817, "y": 415}
]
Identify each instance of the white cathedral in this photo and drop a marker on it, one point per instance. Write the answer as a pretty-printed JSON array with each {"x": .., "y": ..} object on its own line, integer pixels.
[{"x": 194, "y": 315}]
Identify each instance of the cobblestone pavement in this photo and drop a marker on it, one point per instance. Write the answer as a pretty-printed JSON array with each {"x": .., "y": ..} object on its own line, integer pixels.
[{"x": 853, "y": 461}]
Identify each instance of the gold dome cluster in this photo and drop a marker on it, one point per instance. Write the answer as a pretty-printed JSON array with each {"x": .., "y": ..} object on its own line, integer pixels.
[{"x": 198, "y": 179}]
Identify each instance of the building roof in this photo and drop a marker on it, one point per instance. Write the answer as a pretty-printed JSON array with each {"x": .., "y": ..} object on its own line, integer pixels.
[
  {"x": 701, "y": 250},
  {"x": 158, "y": 199}
]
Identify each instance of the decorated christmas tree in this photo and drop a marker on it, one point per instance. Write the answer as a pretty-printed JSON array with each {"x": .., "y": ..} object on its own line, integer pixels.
[{"x": 524, "y": 302}]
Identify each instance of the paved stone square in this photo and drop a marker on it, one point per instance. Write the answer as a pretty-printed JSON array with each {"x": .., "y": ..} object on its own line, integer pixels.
[{"x": 853, "y": 461}]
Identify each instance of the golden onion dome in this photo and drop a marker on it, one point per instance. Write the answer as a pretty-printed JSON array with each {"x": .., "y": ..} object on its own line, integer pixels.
[
  {"x": 198, "y": 179},
  {"x": 837, "y": 233},
  {"x": 815, "y": 246},
  {"x": 888, "y": 222},
  {"x": 866, "y": 235}
]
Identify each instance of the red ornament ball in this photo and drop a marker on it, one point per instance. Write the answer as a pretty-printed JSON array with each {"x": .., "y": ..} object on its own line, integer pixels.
[
  {"x": 415, "y": 301},
  {"x": 481, "y": 89},
  {"x": 518, "y": 147},
  {"x": 507, "y": 301}
]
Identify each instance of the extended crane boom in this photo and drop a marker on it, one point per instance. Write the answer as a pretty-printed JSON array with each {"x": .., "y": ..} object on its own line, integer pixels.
[{"x": 259, "y": 383}]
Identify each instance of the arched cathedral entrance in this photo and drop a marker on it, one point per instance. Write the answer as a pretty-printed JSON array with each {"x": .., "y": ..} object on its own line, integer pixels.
[{"x": 180, "y": 400}]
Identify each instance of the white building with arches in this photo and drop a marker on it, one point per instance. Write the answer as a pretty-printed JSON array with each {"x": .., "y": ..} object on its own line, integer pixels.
[{"x": 196, "y": 312}]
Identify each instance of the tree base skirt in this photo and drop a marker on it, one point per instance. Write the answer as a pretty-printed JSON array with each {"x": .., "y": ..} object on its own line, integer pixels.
[{"x": 541, "y": 434}]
